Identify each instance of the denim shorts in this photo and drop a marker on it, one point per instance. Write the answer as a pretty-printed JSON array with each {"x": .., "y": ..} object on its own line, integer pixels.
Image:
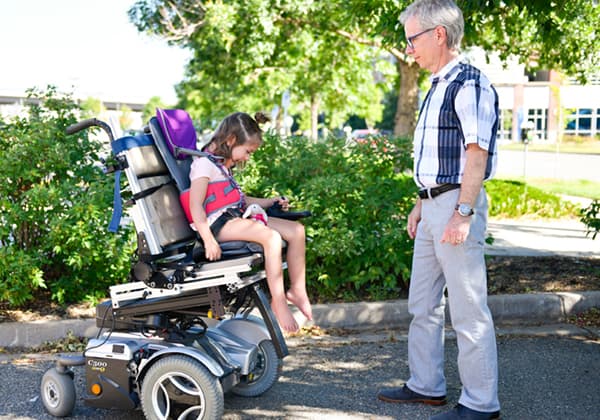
[{"x": 229, "y": 214}]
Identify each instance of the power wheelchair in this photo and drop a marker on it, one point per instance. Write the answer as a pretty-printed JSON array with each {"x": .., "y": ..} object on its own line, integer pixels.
[{"x": 183, "y": 331}]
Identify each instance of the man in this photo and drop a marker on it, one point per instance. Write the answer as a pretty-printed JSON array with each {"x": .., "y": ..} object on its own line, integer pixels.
[{"x": 454, "y": 152}]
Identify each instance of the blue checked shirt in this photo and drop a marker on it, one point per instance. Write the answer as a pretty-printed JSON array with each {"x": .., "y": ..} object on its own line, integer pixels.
[{"x": 460, "y": 108}]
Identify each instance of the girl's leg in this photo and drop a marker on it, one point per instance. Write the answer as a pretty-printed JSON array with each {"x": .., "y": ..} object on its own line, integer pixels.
[
  {"x": 248, "y": 230},
  {"x": 293, "y": 233}
]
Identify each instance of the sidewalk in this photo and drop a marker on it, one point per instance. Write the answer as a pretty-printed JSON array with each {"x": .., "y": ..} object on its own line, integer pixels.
[
  {"x": 541, "y": 238},
  {"x": 523, "y": 238}
]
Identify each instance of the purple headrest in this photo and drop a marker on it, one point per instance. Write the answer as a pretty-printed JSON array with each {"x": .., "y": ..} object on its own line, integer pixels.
[{"x": 178, "y": 129}]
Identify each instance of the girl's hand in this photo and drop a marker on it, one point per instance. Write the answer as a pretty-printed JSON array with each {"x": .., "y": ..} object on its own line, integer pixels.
[
  {"x": 212, "y": 250},
  {"x": 283, "y": 202}
]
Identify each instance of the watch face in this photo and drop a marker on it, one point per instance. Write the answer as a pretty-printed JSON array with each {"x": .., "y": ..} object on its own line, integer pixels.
[{"x": 465, "y": 210}]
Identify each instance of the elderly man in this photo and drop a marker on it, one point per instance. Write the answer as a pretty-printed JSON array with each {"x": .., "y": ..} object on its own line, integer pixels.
[{"x": 454, "y": 152}]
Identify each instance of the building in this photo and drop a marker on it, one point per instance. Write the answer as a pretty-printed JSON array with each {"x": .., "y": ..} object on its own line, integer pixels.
[
  {"x": 12, "y": 105},
  {"x": 550, "y": 107}
]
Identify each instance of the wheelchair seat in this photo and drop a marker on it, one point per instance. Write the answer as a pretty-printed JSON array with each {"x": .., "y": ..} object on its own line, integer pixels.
[
  {"x": 175, "y": 138},
  {"x": 170, "y": 254}
]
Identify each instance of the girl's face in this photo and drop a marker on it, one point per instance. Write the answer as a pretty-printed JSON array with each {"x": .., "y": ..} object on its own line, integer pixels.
[{"x": 242, "y": 152}]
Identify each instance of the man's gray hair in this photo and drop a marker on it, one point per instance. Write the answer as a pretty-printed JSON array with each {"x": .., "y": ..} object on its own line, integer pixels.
[{"x": 432, "y": 13}]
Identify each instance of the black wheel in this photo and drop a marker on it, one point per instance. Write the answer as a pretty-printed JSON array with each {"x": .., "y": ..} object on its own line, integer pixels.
[
  {"x": 179, "y": 387},
  {"x": 264, "y": 375},
  {"x": 58, "y": 393}
]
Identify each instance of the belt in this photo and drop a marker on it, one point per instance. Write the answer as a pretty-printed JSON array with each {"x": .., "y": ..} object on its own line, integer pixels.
[{"x": 435, "y": 191}]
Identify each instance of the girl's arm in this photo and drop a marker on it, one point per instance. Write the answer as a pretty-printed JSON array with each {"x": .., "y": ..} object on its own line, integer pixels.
[
  {"x": 198, "y": 190},
  {"x": 265, "y": 203}
]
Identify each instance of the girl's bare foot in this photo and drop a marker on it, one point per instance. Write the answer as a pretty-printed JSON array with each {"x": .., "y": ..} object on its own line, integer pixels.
[
  {"x": 300, "y": 299},
  {"x": 284, "y": 317}
]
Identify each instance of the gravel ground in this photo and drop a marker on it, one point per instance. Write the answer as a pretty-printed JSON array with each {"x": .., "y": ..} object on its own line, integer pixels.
[{"x": 540, "y": 377}]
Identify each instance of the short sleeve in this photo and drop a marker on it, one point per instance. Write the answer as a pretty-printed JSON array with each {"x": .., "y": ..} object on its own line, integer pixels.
[
  {"x": 475, "y": 106},
  {"x": 202, "y": 167}
]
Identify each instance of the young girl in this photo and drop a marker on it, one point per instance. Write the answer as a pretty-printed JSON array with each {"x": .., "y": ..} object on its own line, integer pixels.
[{"x": 236, "y": 138}]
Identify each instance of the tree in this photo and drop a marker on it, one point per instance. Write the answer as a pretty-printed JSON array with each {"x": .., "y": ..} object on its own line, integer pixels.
[
  {"x": 247, "y": 53},
  {"x": 150, "y": 108},
  {"x": 263, "y": 46},
  {"x": 558, "y": 35},
  {"x": 92, "y": 107},
  {"x": 126, "y": 117}
]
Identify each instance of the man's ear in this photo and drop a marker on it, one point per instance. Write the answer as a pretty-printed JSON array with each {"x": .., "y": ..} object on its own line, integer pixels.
[{"x": 440, "y": 34}]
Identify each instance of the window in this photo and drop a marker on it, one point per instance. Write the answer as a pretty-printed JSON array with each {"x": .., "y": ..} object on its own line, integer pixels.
[
  {"x": 582, "y": 122},
  {"x": 539, "y": 118},
  {"x": 505, "y": 125}
]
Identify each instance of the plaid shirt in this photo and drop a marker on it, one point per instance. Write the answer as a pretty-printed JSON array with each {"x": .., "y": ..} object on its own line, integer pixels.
[{"x": 460, "y": 108}]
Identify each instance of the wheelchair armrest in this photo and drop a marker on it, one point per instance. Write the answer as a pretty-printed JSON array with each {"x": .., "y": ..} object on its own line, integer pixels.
[
  {"x": 230, "y": 249},
  {"x": 276, "y": 211}
]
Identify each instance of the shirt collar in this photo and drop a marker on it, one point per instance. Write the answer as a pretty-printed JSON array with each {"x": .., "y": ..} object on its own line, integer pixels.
[{"x": 447, "y": 68}]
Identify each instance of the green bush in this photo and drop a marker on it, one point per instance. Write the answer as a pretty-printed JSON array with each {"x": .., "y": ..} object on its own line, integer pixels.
[
  {"x": 512, "y": 199},
  {"x": 359, "y": 198},
  {"x": 590, "y": 216},
  {"x": 55, "y": 207}
]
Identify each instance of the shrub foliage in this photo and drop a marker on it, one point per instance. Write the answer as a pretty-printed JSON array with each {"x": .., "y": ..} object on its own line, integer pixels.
[
  {"x": 56, "y": 203},
  {"x": 511, "y": 199},
  {"x": 359, "y": 195},
  {"x": 55, "y": 207},
  {"x": 590, "y": 216}
]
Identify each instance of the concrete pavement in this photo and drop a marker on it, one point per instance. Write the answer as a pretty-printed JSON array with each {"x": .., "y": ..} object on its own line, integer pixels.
[
  {"x": 554, "y": 165},
  {"x": 535, "y": 238}
]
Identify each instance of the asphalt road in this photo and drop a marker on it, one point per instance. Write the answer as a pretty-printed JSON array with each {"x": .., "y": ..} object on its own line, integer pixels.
[
  {"x": 540, "y": 378},
  {"x": 567, "y": 166}
]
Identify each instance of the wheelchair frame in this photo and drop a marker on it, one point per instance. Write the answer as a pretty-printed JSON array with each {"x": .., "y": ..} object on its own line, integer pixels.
[{"x": 181, "y": 333}]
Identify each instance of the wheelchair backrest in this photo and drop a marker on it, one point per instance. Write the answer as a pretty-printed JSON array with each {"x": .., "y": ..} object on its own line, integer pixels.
[
  {"x": 174, "y": 134},
  {"x": 155, "y": 179}
]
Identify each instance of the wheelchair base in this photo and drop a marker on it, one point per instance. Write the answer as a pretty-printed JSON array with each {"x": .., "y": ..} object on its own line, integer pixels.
[{"x": 163, "y": 368}]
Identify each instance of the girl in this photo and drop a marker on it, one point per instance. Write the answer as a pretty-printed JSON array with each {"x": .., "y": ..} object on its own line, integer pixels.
[{"x": 236, "y": 138}]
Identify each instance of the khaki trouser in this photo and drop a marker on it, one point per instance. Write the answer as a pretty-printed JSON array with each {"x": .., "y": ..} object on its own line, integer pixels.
[{"x": 460, "y": 268}]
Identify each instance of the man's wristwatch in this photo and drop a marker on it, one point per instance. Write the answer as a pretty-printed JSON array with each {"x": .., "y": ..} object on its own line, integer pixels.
[{"x": 464, "y": 209}]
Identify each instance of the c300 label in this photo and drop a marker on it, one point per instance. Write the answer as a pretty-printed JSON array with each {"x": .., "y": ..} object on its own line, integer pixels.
[{"x": 97, "y": 365}]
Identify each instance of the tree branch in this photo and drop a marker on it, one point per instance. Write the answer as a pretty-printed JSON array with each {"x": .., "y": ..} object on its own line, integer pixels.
[
  {"x": 181, "y": 21},
  {"x": 374, "y": 43}
]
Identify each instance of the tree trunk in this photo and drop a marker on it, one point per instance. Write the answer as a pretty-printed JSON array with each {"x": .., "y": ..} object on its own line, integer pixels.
[
  {"x": 314, "y": 117},
  {"x": 408, "y": 99}
]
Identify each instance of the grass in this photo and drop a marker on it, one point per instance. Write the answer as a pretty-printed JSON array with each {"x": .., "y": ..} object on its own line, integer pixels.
[{"x": 576, "y": 188}]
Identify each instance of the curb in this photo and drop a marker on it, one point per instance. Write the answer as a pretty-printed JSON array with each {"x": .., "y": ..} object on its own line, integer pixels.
[
  {"x": 521, "y": 309},
  {"x": 507, "y": 310}
]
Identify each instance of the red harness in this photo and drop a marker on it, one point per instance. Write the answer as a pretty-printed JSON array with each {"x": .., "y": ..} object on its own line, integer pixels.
[{"x": 222, "y": 194}]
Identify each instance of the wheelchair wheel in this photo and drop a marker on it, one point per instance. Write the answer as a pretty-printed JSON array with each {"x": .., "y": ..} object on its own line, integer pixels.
[
  {"x": 181, "y": 387},
  {"x": 58, "y": 393},
  {"x": 264, "y": 375}
]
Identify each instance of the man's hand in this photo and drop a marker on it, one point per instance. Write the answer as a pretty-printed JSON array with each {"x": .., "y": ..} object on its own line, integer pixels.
[
  {"x": 414, "y": 217},
  {"x": 457, "y": 229}
]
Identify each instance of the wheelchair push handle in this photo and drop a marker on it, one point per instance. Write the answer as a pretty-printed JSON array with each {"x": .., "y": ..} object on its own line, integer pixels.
[{"x": 91, "y": 122}]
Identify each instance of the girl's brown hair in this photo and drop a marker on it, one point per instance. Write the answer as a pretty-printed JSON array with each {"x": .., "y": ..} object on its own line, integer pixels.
[{"x": 242, "y": 127}]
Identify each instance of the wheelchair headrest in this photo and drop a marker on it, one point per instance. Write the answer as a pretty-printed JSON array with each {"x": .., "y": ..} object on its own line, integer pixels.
[{"x": 178, "y": 130}]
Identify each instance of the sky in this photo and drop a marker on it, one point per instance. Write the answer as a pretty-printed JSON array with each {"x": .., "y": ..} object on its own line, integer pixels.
[{"x": 85, "y": 47}]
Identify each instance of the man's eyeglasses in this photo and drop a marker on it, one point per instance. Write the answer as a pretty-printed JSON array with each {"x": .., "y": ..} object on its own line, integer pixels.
[{"x": 410, "y": 39}]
